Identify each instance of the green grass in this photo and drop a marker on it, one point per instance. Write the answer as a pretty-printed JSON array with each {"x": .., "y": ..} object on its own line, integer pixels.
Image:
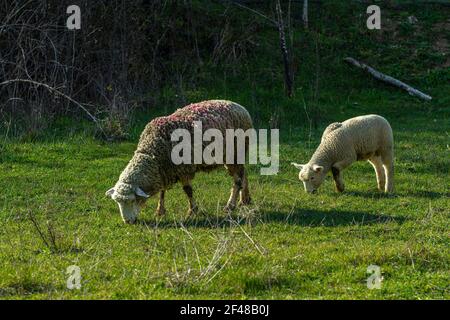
[{"x": 286, "y": 245}]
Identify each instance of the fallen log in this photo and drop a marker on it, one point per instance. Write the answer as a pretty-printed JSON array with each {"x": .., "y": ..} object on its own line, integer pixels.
[{"x": 388, "y": 79}]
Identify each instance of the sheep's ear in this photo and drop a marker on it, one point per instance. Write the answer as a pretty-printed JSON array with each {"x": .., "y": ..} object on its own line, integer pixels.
[
  {"x": 110, "y": 192},
  {"x": 141, "y": 193},
  {"x": 298, "y": 166},
  {"x": 317, "y": 168}
]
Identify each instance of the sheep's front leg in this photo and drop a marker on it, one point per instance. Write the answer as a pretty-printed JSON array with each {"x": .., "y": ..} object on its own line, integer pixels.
[
  {"x": 187, "y": 188},
  {"x": 233, "y": 170},
  {"x": 338, "y": 180},
  {"x": 245, "y": 193},
  {"x": 337, "y": 169},
  {"x": 161, "y": 209}
]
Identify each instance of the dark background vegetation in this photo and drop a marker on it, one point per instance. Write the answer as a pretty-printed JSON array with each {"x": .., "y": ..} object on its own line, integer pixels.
[{"x": 133, "y": 60}]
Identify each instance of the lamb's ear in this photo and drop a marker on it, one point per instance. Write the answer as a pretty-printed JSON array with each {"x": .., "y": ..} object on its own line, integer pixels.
[
  {"x": 298, "y": 166},
  {"x": 317, "y": 168},
  {"x": 141, "y": 193},
  {"x": 110, "y": 192}
]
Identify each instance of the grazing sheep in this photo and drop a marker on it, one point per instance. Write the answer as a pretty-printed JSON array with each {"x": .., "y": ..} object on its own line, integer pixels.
[
  {"x": 366, "y": 137},
  {"x": 151, "y": 170}
]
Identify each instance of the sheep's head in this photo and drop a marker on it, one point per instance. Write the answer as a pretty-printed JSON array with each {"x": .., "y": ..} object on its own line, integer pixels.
[
  {"x": 312, "y": 176},
  {"x": 130, "y": 200}
]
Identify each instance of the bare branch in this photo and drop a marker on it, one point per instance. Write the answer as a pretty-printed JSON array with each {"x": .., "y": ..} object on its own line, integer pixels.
[
  {"x": 53, "y": 90},
  {"x": 256, "y": 12}
]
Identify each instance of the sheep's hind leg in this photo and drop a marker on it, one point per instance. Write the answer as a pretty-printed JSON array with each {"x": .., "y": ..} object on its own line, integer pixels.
[
  {"x": 245, "y": 193},
  {"x": 187, "y": 188},
  {"x": 233, "y": 170},
  {"x": 388, "y": 163},
  {"x": 161, "y": 209},
  {"x": 379, "y": 170}
]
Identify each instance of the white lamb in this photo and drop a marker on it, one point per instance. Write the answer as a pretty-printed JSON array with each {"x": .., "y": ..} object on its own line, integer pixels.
[{"x": 366, "y": 137}]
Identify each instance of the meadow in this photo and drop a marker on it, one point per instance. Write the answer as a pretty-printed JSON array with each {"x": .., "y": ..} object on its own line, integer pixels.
[{"x": 287, "y": 244}]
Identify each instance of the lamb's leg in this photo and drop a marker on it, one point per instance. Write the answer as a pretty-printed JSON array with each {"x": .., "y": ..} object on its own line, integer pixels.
[
  {"x": 187, "y": 187},
  {"x": 378, "y": 166},
  {"x": 337, "y": 169},
  {"x": 388, "y": 163},
  {"x": 338, "y": 180},
  {"x": 245, "y": 193},
  {"x": 233, "y": 170},
  {"x": 161, "y": 209}
]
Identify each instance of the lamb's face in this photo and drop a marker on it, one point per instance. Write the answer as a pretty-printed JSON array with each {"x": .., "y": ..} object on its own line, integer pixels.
[
  {"x": 130, "y": 200},
  {"x": 312, "y": 176}
]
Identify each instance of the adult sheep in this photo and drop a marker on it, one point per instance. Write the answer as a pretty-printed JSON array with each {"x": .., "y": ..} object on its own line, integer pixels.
[
  {"x": 366, "y": 137},
  {"x": 152, "y": 171}
]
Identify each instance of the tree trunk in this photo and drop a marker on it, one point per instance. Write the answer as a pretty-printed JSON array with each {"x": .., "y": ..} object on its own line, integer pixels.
[
  {"x": 305, "y": 14},
  {"x": 288, "y": 79}
]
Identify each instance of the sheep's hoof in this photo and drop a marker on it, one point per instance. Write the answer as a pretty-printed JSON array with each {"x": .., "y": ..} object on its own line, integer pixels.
[
  {"x": 192, "y": 211},
  {"x": 229, "y": 208},
  {"x": 161, "y": 211},
  {"x": 245, "y": 202}
]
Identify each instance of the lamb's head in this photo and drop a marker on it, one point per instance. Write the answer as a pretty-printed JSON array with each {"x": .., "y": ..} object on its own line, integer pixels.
[
  {"x": 312, "y": 176},
  {"x": 130, "y": 200}
]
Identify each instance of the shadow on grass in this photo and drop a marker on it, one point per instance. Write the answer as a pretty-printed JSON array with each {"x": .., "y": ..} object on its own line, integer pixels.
[
  {"x": 427, "y": 194},
  {"x": 415, "y": 194},
  {"x": 321, "y": 218},
  {"x": 299, "y": 217},
  {"x": 371, "y": 194},
  {"x": 25, "y": 288}
]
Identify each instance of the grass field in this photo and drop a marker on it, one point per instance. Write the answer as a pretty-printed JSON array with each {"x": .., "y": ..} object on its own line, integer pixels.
[{"x": 286, "y": 245}]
